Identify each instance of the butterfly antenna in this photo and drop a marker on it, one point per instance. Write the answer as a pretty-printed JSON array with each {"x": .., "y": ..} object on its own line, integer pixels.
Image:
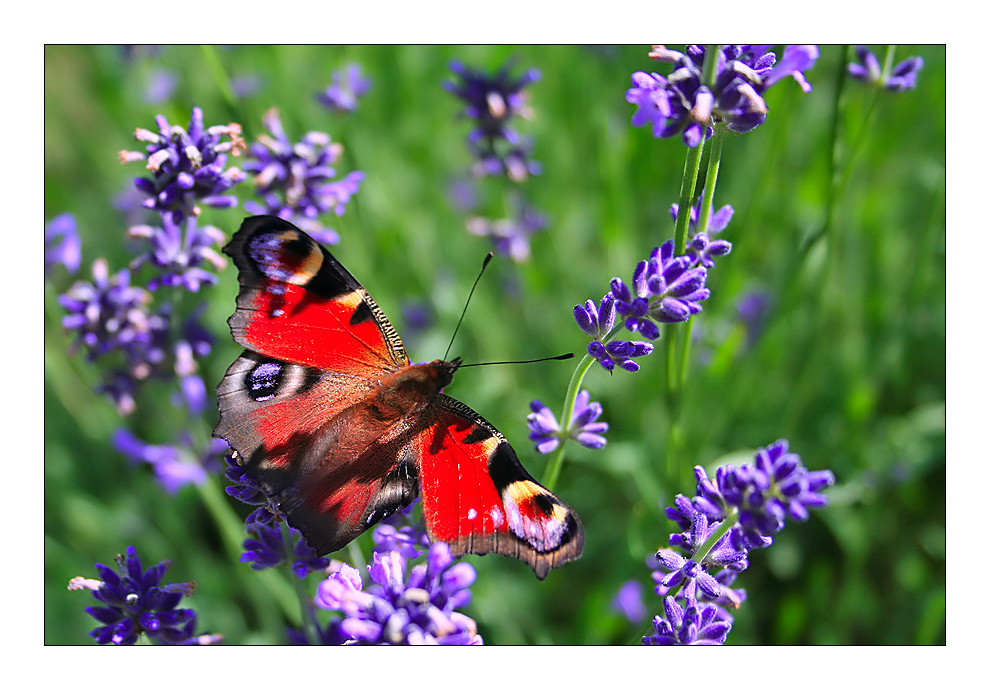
[
  {"x": 484, "y": 265},
  {"x": 521, "y": 361}
]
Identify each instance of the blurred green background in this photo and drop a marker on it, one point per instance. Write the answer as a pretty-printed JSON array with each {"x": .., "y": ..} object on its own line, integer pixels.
[{"x": 850, "y": 366}]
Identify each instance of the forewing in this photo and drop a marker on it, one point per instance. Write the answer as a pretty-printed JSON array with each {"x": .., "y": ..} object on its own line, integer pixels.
[
  {"x": 298, "y": 304},
  {"x": 291, "y": 406}
]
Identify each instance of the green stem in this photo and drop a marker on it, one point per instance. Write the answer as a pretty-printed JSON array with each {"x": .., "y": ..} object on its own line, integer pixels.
[
  {"x": 552, "y": 471},
  {"x": 678, "y": 344},
  {"x": 307, "y": 614},
  {"x": 711, "y": 178},
  {"x": 888, "y": 63},
  {"x": 701, "y": 552},
  {"x": 692, "y": 165},
  {"x": 211, "y": 56},
  {"x": 357, "y": 557},
  {"x": 692, "y": 162},
  {"x": 232, "y": 533}
]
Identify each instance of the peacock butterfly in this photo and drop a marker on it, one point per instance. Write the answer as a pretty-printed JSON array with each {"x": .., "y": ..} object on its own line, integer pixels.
[{"x": 326, "y": 413}]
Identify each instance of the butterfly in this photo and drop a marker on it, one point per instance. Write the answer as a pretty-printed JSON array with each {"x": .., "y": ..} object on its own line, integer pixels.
[{"x": 324, "y": 410}]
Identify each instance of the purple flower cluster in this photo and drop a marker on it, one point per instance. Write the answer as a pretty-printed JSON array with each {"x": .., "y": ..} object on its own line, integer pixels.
[
  {"x": 547, "y": 433},
  {"x": 694, "y": 625},
  {"x": 727, "y": 518},
  {"x": 187, "y": 166},
  {"x": 665, "y": 289},
  {"x": 702, "y": 248},
  {"x": 175, "y": 465},
  {"x": 346, "y": 87},
  {"x": 114, "y": 315},
  {"x": 109, "y": 316},
  {"x": 265, "y": 547},
  {"x": 763, "y": 494},
  {"x": 135, "y": 602},
  {"x": 492, "y": 101},
  {"x": 400, "y": 610},
  {"x": 510, "y": 235},
  {"x": 178, "y": 254},
  {"x": 902, "y": 78},
  {"x": 597, "y": 321},
  {"x": 295, "y": 181},
  {"x": 681, "y": 103},
  {"x": 247, "y": 491},
  {"x": 62, "y": 244}
]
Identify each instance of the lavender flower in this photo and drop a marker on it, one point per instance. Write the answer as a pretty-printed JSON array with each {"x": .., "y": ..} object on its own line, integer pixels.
[
  {"x": 397, "y": 610},
  {"x": 666, "y": 289},
  {"x": 629, "y": 601},
  {"x": 295, "y": 181},
  {"x": 266, "y": 548},
  {"x": 902, "y": 78},
  {"x": 681, "y": 104},
  {"x": 652, "y": 100},
  {"x": 510, "y": 235},
  {"x": 547, "y": 434},
  {"x": 720, "y": 524},
  {"x": 695, "y": 625},
  {"x": 180, "y": 254},
  {"x": 765, "y": 493},
  {"x": 246, "y": 490},
  {"x": 753, "y": 309},
  {"x": 723, "y": 554},
  {"x": 492, "y": 102},
  {"x": 702, "y": 248},
  {"x": 330, "y": 635},
  {"x": 107, "y": 314},
  {"x": 187, "y": 166},
  {"x": 619, "y": 353},
  {"x": 597, "y": 321},
  {"x": 400, "y": 532},
  {"x": 346, "y": 87},
  {"x": 174, "y": 466},
  {"x": 62, "y": 244},
  {"x": 110, "y": 316},
  {"x": 160, "y": 85},
  {"x": 135, "y": 602}
]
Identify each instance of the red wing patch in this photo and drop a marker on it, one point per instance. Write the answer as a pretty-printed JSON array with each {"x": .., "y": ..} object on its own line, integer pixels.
[
  {"x": 299, "y": 304},
  {"x": 478, "y": 498}
]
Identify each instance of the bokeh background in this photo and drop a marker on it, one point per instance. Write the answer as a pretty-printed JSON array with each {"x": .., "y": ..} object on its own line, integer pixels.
[{"x": 847, "y": 363}]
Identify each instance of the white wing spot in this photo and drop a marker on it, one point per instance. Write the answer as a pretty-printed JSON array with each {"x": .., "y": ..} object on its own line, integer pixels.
[{"x": 497, "y": 517}]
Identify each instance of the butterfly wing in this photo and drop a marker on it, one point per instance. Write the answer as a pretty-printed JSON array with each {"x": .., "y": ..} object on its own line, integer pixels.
[
  {"x": 479, "y": 498},
  {"x": 298, "y": 304},
  {"x": 291, "y": 404}
]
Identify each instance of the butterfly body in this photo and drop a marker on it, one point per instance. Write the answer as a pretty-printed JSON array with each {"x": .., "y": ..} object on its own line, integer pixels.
[{"x": 325, "y": 411}]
